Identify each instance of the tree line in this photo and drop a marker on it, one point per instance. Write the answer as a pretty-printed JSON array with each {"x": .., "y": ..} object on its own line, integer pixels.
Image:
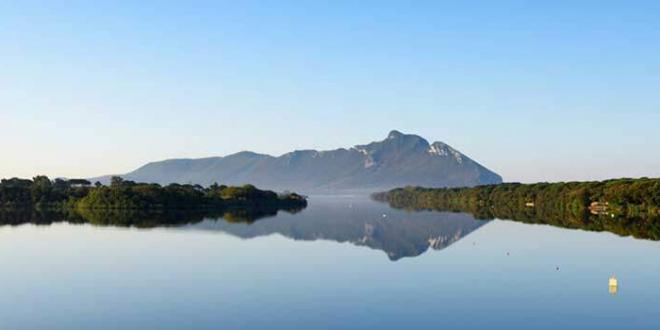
[
  {"x": 42, "y": 192},
  {"x": 622, "y": 206}
]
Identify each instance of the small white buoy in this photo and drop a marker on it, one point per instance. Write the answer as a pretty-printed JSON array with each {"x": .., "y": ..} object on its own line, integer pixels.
[
  {"x": 613, "y": 281},
  {"x": 384, "y": 215},
  {"x": 613, "y": 285}
]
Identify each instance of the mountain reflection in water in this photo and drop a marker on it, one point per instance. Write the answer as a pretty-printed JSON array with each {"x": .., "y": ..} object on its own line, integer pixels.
[
  {"x": 355, "y": 220},
  {"x": 361, "y": 222}
]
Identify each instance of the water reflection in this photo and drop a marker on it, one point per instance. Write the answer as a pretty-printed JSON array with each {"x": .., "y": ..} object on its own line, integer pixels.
[
  {"x": 137, "y": 218},
  {"x": 204, "y": 272},
  {"x": 396, "y": 229},
  {"x": 641, "y": 226},
  {"x": 358, "y": 221},
  {"x": 362, "y": 222}
]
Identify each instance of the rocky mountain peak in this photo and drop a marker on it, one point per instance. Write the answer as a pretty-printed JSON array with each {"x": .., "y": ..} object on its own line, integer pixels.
[{"x": 399, "y": 160}]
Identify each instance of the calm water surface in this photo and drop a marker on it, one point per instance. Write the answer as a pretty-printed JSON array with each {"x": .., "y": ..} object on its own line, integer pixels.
[{"x": 344, "y": 262}]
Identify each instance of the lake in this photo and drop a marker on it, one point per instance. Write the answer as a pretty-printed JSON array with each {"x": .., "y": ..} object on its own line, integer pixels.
[{"x": 344, "y": 262}]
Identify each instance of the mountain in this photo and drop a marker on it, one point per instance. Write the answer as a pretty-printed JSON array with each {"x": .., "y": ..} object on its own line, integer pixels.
[{"x": 399, "y": 160}]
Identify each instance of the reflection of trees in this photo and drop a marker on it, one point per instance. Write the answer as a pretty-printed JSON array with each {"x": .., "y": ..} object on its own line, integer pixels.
[
  {"x": 139, "y": 218},
  {"x": 646, "y": 227},
  {"x": 399, "y": 235},
  {"x": 15, "y": 217},
  {"x": 251, "y": 214}
]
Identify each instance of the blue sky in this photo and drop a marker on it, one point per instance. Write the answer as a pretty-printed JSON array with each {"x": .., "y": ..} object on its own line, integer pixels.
[{"x": 536, "y": 91}]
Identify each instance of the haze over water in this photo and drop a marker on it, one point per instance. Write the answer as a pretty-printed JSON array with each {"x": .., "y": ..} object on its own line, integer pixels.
[{"x": 344, "y": 262}]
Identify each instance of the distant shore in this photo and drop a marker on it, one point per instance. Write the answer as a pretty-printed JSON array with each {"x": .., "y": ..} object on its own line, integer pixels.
[{"x": 622, "y": 206}]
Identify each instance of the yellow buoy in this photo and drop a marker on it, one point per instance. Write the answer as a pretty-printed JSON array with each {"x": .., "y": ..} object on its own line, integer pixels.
[{"x": 613, "y": 284}]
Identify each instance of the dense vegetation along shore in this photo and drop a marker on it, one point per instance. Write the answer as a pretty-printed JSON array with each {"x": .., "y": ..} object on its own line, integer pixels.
[
  {"x": 623, "y": 206},
  {"x": 42, "y": 193}
]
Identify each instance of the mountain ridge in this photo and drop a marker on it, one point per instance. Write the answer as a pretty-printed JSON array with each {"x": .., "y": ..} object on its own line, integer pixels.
[{"x": 398, "y": 160}]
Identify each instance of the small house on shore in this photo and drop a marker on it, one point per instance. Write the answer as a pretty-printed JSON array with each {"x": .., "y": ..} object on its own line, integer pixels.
[{"x": 599, "y": 207}]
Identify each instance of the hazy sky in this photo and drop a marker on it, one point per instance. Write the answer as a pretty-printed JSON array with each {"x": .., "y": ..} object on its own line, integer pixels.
[{"x": 565, "y": 90}]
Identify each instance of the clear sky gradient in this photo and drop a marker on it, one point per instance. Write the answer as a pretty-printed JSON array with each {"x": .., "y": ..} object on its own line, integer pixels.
[{"x": 534, "y": 90}]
